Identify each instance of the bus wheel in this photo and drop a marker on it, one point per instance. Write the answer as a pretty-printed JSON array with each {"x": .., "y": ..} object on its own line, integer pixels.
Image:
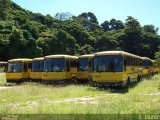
[
  {"x": 91, "y": 83},
  {"x": 138, "y": 78},
  {"x": 128, "y": 82},
  {"x": 74, "y": 80}
]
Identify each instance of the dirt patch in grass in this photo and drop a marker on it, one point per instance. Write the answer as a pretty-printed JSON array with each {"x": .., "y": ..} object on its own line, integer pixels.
[
  {"x": 155, "y": 93},
  {"x": 4, "y": 87},
  {"x": 81, "y": 100}
]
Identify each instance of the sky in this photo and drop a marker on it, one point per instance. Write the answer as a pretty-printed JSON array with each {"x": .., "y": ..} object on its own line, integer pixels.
[{"x": 145, "y": 11}]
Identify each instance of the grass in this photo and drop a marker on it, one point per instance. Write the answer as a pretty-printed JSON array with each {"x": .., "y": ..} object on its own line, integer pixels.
[
  {"x": 2, "y": 79},
  {"x": 32, "y": 98}
]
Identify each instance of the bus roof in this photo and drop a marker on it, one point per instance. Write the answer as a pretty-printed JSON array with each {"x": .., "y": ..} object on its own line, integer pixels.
[
  {"x": 87, "y": 56},
  {"x": 2, "y": 62},
  {"x": 38, "y": 59},
  {"x": 61, "y": 56},
  {"x": 153, "y": 61},
  {"x": 146, "y": 58},
  {"x": 116, "y": 53},
  {"x": 20, "y": 60}
]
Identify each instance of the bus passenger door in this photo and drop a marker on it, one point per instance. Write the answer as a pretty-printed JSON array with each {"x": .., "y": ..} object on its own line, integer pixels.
[
  {"x": 26, "y": 70},
  {"x": 89, "y": 68},
  {"x": 67, "y": 69}
]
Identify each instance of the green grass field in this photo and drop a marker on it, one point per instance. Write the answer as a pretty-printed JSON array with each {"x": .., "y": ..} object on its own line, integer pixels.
[
  {"x": 2, "y": 79},
  {"x": 34, "y": 98}
]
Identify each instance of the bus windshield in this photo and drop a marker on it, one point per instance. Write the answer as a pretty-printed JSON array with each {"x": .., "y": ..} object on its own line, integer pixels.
[
  {"x": 37, "y": 66},
  {"x": 83, "y": 64},
  {"x": 108, "y": 64},
  {"x": 54, "y": 65},
  {"x": 15, "y": 67},
  {"x": 145, "y": 64}
]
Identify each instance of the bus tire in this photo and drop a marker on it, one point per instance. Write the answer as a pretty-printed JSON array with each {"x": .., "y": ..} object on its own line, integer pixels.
[
  {"x": 74, "y": 80},
  {"x": 91, "y": 82},
  {"x": 128, "y": 82},
  {"x": 138, "y": 78}
]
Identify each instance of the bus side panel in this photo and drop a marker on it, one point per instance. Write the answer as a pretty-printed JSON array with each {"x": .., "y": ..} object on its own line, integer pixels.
[
  {"x": 54, "y": 75},
  {"x": 13, "y": 76},
  {"x": 73, "y": 72},
  {"x": 132, "y": 72},
  {"x": 26, "y": 75},
  {"x": 83, "y": 75},
  {"x": 36, "y": 75},
  {"x": 145, "y": 72},
  {"x": 107, "y": 77}
]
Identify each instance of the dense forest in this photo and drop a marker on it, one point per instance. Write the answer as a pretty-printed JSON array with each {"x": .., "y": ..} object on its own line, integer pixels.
[{"x": 24, "y": 34}]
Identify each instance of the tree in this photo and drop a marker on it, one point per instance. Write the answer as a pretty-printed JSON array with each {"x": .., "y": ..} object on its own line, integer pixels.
[
  {"x": 76, "y": 30},
  {"x": 89, "y": 16},
  {"x": 16, "y": 43},
  {"x": 4, "y": 7},
  {"x": 86, "y": 49},
  {"x": 157, "y": 58},
  {"x": 133, "y": 37},
  {"x": 104, "y": 43},
  {"x": 150, "y": 28},
  {"x": 64, "y": 44},
  {"x": 112, "y": 25},
  {"x": 88, "y": 20},
  {"x": 34, "y": 28},
  {"x": 105, "y": 26},
  {"x": 132, "y": 25}
]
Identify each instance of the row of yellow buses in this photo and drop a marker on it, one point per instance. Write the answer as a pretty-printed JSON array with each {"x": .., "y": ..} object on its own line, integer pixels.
[
  {"x": 50, "y": 69},
  {"x": 116, "y": 68}
]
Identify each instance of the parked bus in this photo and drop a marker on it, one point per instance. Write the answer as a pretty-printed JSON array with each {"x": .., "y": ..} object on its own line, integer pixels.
[
  {"x": 84, "y": 68},
  {"x": 37, "y": 69},
  {"x": 116, "y": 68},
  {"x": 18, "y": 70},
  {"x": 155, "y": 69},
  {"x": 3, "y": 66},
  {"x": 147, "y": 67},
  {"x": 59, "y": 68}
]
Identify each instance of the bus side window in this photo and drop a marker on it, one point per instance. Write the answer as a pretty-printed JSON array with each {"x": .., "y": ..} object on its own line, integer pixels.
[
  {"x": 67, "y": 65},
  {"x": 25, "y": 67},
  {"x": 125, "y": 63},
  {"x": 89, "y": 64}
]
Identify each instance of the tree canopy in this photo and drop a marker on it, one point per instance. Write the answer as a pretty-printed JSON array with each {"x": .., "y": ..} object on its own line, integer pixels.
[{"x": 27, "y": 34}]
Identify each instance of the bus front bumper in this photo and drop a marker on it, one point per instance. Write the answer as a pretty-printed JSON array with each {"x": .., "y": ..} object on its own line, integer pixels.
[
  {"x": 116, "y": 84},
  {"x": 14, "y": 80},
  {"x": 64, "y": 81}
]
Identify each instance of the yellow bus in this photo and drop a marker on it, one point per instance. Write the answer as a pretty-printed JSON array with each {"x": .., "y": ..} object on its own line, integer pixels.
[
  {"x": 147, "y": 67},
  {"x": 37, "y": 69},
  {"x": 84, "y": 68},
  {"x": 116, "y": 68},
  {"x": 3, "y": 66},
  {"x": 18, "y": 70},
  {"x": 155, "y": 69},
  {"x": 59, "y": 68}
]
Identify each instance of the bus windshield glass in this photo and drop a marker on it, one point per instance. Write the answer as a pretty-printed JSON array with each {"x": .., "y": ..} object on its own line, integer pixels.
[
  {"x": 37, "y": 66},
  {"x": 54, "y": 65},
  {"x": 145, "y": 64},
  {"x": 83, "y": 64},
  {"x": 15, "y": 67},
  {"x": 108, "y": 64}
]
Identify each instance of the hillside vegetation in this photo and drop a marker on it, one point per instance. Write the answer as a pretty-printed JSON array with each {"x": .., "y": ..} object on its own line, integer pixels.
[
  {"x": 33, "y": 98},
  {"x": 27, "y": 34}
]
